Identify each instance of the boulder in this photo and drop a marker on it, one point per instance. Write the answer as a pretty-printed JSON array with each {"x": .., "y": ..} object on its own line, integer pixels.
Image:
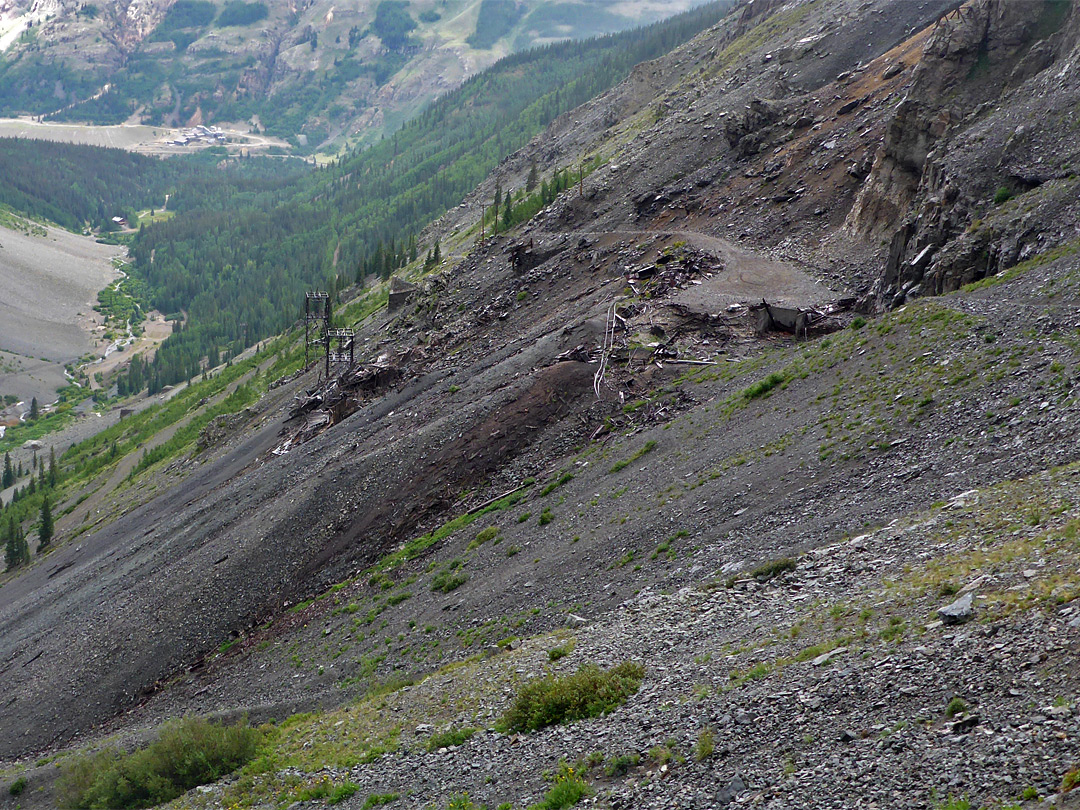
[{"x": 960, "y": 611}]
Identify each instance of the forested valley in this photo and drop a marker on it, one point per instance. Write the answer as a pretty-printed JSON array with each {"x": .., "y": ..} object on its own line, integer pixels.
[{"x": 249, "y": 235}]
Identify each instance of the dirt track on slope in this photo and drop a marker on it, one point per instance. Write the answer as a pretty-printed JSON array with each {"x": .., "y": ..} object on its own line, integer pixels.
[{"x": 748, "y": 276}]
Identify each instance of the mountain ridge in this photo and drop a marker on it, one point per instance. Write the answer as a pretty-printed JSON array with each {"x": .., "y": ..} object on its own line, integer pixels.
[{"x": 188, "y": 62}]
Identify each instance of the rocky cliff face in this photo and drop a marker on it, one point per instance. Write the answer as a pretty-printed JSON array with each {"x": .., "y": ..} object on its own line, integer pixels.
[{"x": 986, "y": 67}]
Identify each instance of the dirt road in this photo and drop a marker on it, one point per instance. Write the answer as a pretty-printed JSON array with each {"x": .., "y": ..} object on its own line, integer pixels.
[{"x": 748, "y": 276}]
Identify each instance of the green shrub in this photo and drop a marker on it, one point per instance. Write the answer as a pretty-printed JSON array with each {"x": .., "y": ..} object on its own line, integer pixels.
[
  {"x": 568, "y": 790},
  {"x": 1071, "y": 780},
  {"x": 189, "y": 752},
  {"x": 237, "y": 12},
  {"x": 447, "y": 581},
  {"x": 325, "y": 790},
  {"x": 450, "y": 578},
  {"x": 461, "y": 801},
  {"x": 546, "y": 517},
  {"x": 558, "y": 482},
  {"x": 956, "y": 706},
  {"x": 452, "y": 737},
  {"x": 555, "y": 653},
  {"x": 589, "y": 692},
  {"x": 490, "y": 533},
  {"x": 343, "y": 792},
  {"x": 18, "y": 786},
  {"x": 1002, "y": 195},
  {"x": 378, "y": 799},
  {"x": 773, "y": 568},
  {"x": 621, "y": 764}
]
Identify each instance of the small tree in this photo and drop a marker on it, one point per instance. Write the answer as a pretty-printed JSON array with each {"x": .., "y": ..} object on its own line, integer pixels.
[
  {"x": 534, "y": 177},
  {"x": 16, "y": 549},
  {"x": 11, "y": 559},
  {"x": 9, "y": 473},
  {"x": 54, "y": 477},
  {"x": 508, "y": 212},
  {"x": 45, "y": 533},
  {"x": 33, "y": 408}
]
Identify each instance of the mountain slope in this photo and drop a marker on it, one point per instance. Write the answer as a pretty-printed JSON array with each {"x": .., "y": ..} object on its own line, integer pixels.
[{"x": 768, "y": 525}]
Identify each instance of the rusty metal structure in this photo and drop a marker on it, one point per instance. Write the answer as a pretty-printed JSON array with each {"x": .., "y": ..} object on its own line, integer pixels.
[
  {"x": 337, "y": 343},
  {"x": 339, "y": 347},
  {"x": 798, "y": 321},
  {"x": 316, "y": 322}
]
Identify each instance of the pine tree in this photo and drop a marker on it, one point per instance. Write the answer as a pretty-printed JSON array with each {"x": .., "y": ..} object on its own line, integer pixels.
[
  {"x": 508, "y": 212},
  {"x": 22, "y": 548},
  {"x": 45, "y": 533},
  {"x": 534, "y": 177},
  {"x": 53, "y": 475},
  {"x": 11, "y": 549},
  {"x": 33, "y": 408},
  {"x": 9, "y": 474},
  {"x": 16, "y": 549},
  {"x": 437, "y": 256}
]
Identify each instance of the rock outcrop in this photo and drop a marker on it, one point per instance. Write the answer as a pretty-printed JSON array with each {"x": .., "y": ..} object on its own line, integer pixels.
[{"x": 974, "y": 60}]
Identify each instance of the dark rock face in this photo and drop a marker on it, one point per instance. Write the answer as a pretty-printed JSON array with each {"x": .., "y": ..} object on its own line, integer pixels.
[{"x": 981, "y": 67}]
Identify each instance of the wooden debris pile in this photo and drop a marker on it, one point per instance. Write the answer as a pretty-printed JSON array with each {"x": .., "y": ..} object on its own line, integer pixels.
[
  {"x": 675, "y": 269},
  {"x": 335, "y": 399}
]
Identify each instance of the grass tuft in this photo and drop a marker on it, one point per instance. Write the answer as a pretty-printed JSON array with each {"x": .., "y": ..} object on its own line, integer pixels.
[
  {"x": 449, "y": 738},
  {"x": 773, "y": 569},
  {"x": 956, "y": 706},
  {"x": 648, "y": 447},
  {"x": 763, "y": 387}
]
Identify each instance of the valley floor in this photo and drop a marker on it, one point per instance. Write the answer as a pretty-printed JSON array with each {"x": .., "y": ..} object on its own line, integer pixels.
[{"x": 50, "y": 279}]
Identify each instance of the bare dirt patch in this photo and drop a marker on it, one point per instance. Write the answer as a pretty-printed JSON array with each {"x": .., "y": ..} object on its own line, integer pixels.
[
  {"x": 155, "y": 330},
  {"x": 132, "y": 137}
]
